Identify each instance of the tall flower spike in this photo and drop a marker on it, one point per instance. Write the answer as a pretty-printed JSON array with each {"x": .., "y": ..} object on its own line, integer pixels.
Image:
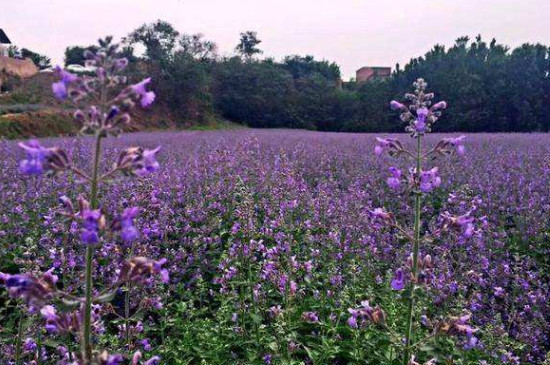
[{"x": 420, "y": 115}]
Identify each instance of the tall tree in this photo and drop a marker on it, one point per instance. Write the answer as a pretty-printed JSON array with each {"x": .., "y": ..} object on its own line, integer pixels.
[
  {"x": 159, "y": 39},
  {"x": 197, "y": 47},
  {"x": 247, "y": 46}
]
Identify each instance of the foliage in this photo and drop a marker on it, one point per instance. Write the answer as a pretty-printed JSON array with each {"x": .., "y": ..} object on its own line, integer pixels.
[
  {"x": 59, "y": 308},
  {"x": 159, "y": 39},
  {"x": 74, "y": 55},
  {"x": 217, "y": 191},
  {"x": 41, "y": 61},
  {"x": 489, "y": 87},
  {"x": 247, "y": 46}
]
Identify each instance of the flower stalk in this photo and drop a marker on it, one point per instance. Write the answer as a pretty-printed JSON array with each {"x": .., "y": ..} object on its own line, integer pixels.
[
  {"x": 107, "y": 117},
  {"x": 417, "y": 216},
  {"x": 87, "y": 330}
]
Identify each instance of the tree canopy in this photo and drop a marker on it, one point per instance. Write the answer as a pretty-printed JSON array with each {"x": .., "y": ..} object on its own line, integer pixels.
[{"x": 488, "y": 86}]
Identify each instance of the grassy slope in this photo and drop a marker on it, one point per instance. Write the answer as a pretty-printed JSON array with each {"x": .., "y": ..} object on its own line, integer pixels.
[{"x": 30, "y": 110}]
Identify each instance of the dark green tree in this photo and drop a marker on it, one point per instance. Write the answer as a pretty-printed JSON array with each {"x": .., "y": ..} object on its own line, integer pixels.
[
  {"x": 159, "y": 39},
  {"x": 74, "y": 55},
  {"x": 247, "y": 46}
]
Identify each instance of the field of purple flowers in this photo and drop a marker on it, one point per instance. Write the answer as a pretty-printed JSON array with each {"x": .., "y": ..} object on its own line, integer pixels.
[
  {"x": 279, "y": 247},
  {"x": 270, "y": 243}
]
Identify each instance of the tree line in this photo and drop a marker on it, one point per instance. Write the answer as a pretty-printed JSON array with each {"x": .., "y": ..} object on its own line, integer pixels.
[{"x": 489, "y": 87}]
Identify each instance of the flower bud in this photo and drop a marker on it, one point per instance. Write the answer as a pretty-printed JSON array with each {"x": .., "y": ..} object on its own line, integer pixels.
[
  {"x": 439, "y": 106},
  {"x": 138, "y": 161},
  {"x": 67, "y": 204},
  {"x": 395, "y": 105},
  {"x": 139, "y": 270}
]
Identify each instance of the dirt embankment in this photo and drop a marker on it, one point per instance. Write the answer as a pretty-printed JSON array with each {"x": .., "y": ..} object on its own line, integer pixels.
[
  {"x": 30, "y": 110},
  {"x": 10, "y": 67},
  {"x": 19, "y": 68}
]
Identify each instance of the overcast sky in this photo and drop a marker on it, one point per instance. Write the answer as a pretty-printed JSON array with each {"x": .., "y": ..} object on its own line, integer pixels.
[{"x": 353, "y": 33}]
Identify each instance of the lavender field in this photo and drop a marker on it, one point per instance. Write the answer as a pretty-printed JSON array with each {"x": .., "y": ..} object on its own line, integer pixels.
[{"x": 276, "y": 254}]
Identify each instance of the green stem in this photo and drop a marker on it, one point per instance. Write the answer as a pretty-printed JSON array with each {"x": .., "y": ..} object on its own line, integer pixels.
[
  {"x": 69, "y": 348},
  {"x": 87, "y": 331},
  {"x": 18, "y": 341},
  {"x": 127, "y": 304},
  {"x": 39, "y": 346},
  {"x": 412, "y": 298}
]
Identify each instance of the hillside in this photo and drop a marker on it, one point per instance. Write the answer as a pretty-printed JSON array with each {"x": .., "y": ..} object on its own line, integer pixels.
[{"x": 29, "y": 109}]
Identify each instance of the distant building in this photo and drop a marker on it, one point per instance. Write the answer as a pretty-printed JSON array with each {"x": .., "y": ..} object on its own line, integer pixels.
[
  {"x": 365, "y": 74},
  {"x": 4, "y": 44}
]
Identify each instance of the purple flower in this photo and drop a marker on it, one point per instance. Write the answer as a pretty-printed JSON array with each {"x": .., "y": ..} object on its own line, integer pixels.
[
  {"x": 147, "y": 97},
  {"x": 50, "y": 315},
  {"x": 395, "y": 105},
  {"x": 90, "y": 226},
  {"x": 394, "y": 145},
  {"x": 499, "y": 292},
  {"x": 41, "y": 159},
  {"x": 429, "y": 180},
  {"x": 146, "y": 345},
  {"x": 456, "y": 143},
  {"x": 114, "y": 359},
  {"x": 59, "y": 88},
  {"x": 29, "y": 345},
  {"x": 29, "y": 288},
  {"x": 395, "y": 180},
  {"x": 120, "y": 64},
  {"x": 352, "y": 320},
  {"x": 149, "y": 163},
  {"x": 129, "y": 233},
  {"x": 113, "y": 112},
  {"x": 439, "y": 106},
  {"x": 36, "y": 157},
  {"x": 398, "y": 282},
  {"x": 471, "y": 343},
  {"x": 136, "y": 357},
  {"x": 164, "y": 273},
  {"x": 164, "y": 276},
  {"x": 267, "y": 359},
  {"x": 310, "y": 317},
  {"x": 155, "y": 360},
  {"x": 420, "y": 123}
]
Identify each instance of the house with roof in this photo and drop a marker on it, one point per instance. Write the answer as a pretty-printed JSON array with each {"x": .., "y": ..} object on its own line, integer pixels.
[
  {"x": 4, "y": 44},
  {"x": 369, "y": 73}
]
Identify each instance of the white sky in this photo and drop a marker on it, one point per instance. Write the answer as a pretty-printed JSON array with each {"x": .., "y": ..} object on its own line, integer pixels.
[{"x": 353, "y": 33}]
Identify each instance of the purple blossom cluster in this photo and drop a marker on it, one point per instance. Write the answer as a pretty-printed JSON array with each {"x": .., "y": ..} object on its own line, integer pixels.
[{"x": 66, "y": 311}]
